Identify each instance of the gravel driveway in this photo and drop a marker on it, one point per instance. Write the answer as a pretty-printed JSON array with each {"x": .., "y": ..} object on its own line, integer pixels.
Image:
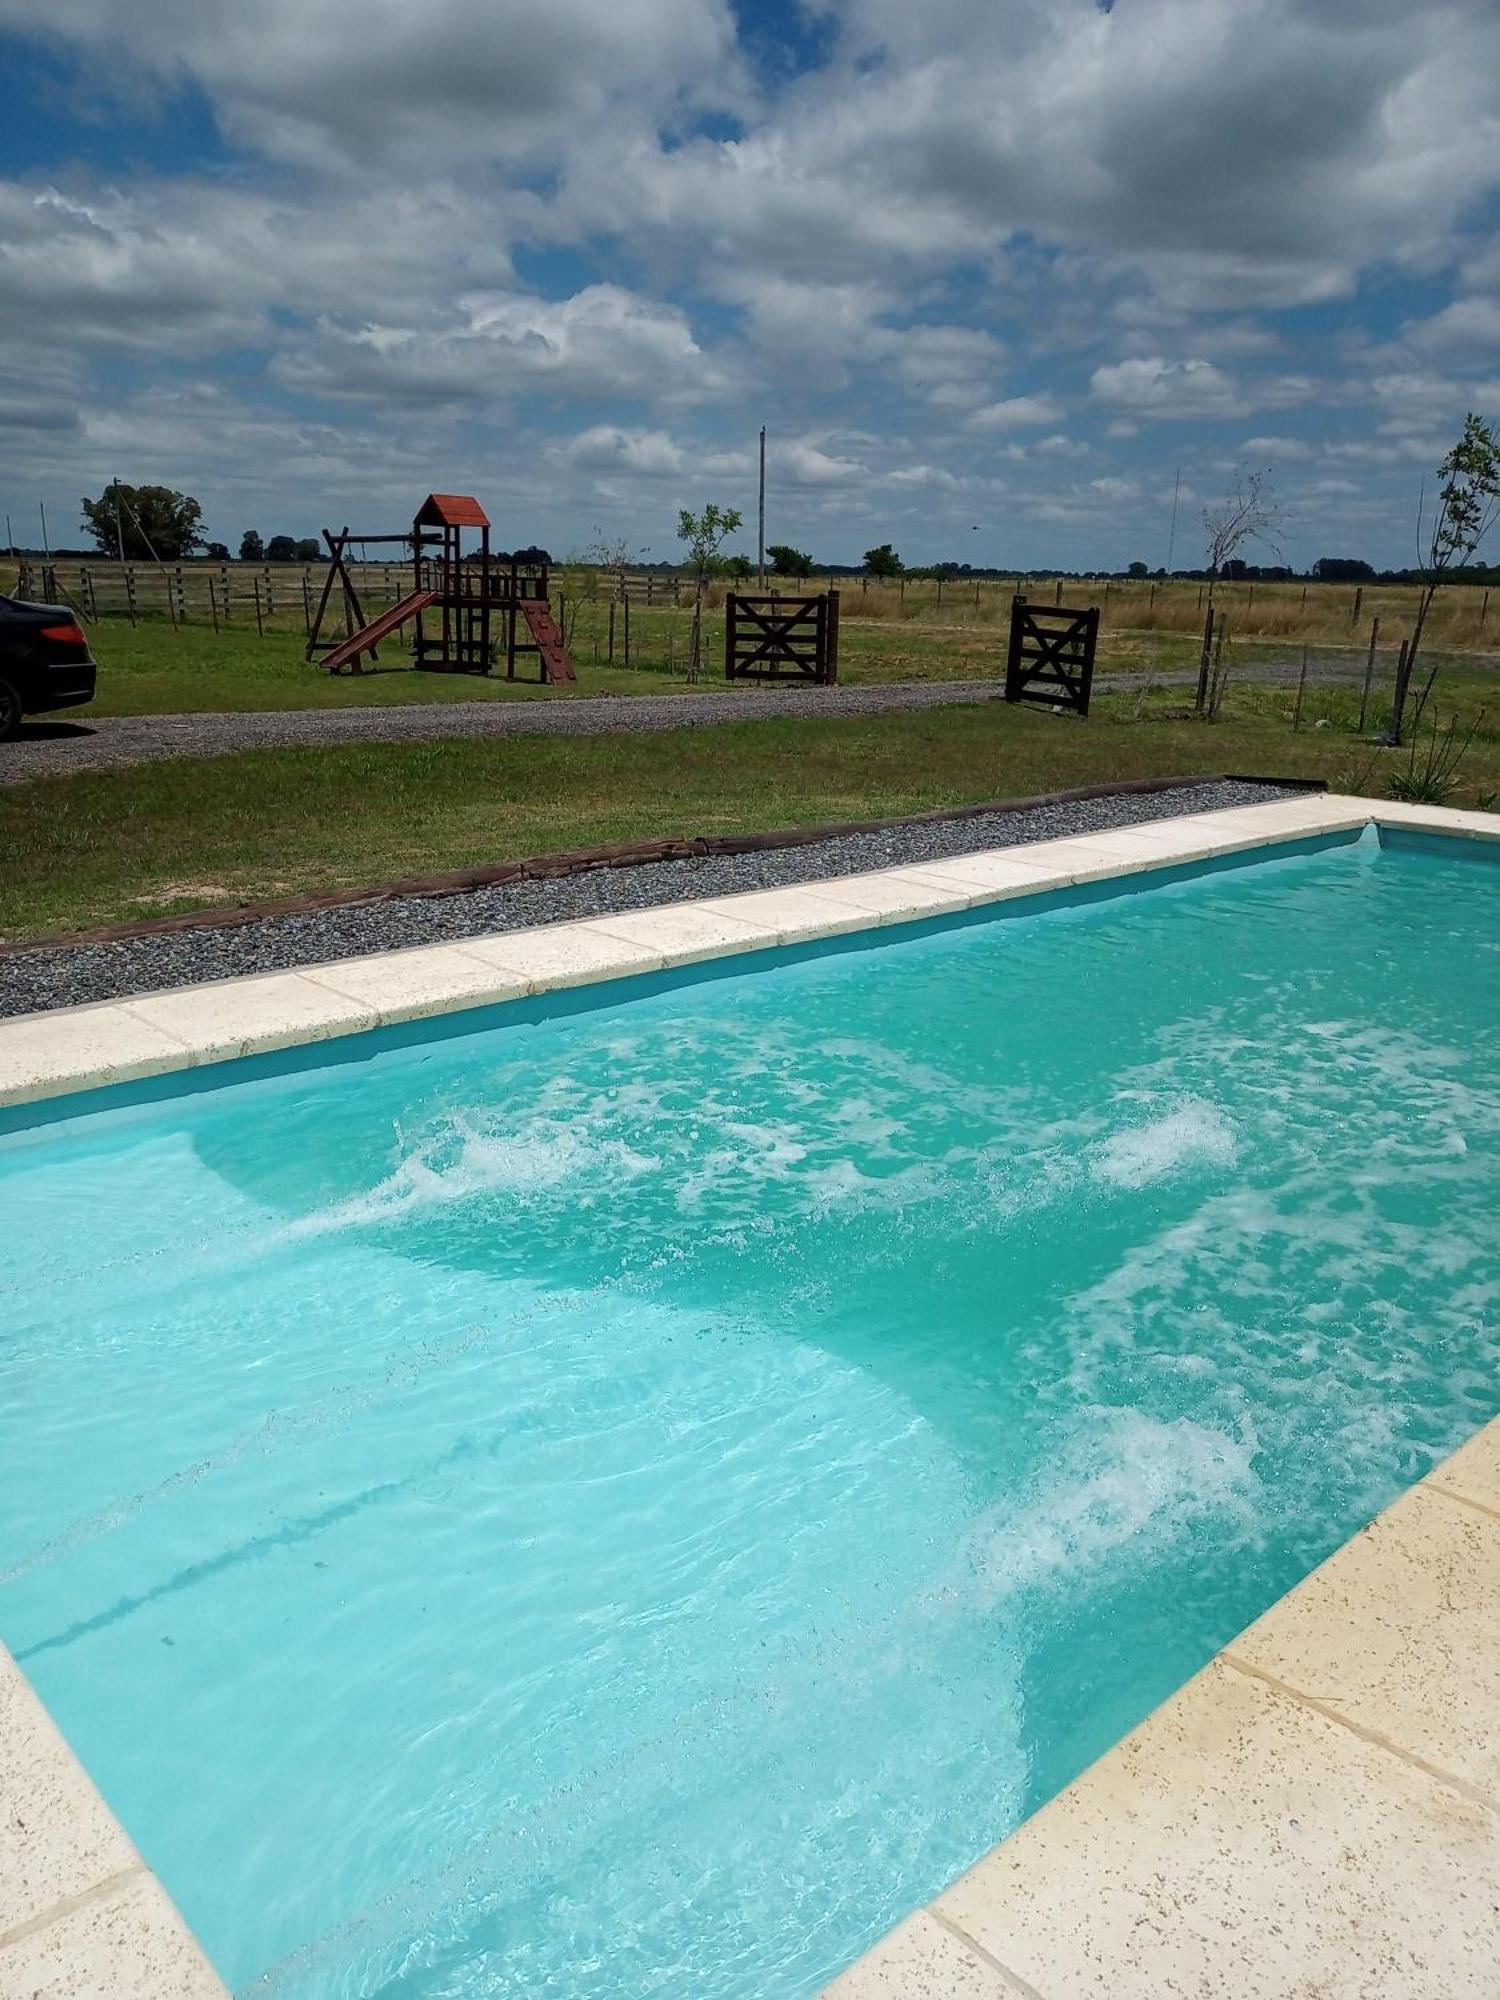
[
  {"x": 48, "y": 748},
  {"x": 55, "y": 747}
]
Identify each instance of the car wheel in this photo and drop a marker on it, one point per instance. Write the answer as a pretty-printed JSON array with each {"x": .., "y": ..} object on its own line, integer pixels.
[{"x": 10, "y": 710}]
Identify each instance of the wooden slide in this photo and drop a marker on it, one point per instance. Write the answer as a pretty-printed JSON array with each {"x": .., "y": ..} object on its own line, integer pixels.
[{"x": 368, "y": 637}]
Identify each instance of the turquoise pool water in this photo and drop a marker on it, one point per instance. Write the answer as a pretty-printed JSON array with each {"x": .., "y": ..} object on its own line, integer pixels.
[{"x": 629, "y": 1501}]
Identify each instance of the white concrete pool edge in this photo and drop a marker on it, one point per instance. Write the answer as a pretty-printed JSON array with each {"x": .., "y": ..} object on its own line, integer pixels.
[
  {"x": 72, "y": 1049},
  {"x": 1316, "y": 1812},
  {"x": 80, "y": 1913}
]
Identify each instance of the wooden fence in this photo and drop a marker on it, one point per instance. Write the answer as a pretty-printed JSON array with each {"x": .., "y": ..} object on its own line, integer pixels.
[{"x": 200, "y": 592}]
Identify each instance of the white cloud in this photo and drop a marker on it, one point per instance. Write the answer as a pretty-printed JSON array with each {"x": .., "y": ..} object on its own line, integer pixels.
[
  {"x": 450, "y": 223},
  {"x": 380, "y": 84},
  {"x": 1276, "y": 448},
  {"x": 1156, "y": 387},
  {"x": 951, "y": 367},
  {"x": 1468, "y": 325},
  {"x": 1017, "y": 413},
  {"x": 603, "y": 341}
]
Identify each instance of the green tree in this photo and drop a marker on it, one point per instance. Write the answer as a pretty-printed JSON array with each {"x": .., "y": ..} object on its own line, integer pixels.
[
  {"x": 1137, "y": 569},
  {"x": 883, "y": 561},
  {"x": 1468, "y": 500},
  {"x": 787, "y": 561},
  {"x": 252, "y": 548},
  {"x": 281, "y": 548},
  {"x": 144, "y": 523},
  {"x": 217, "y": 551},
  {"x": 705, "y": 534},
  {"x": 309, "y": 549},
  {"x": 737, "y": 567}
]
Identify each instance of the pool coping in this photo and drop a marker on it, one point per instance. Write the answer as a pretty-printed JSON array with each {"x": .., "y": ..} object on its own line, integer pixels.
[{"x": 81, "y": 1912}]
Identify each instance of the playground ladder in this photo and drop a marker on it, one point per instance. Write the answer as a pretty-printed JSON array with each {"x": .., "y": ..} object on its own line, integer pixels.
[{"x": 556, "y": 666}]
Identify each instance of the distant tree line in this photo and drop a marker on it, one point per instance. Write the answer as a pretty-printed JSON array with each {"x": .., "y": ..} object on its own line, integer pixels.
[{"x": 280, "y": 548}]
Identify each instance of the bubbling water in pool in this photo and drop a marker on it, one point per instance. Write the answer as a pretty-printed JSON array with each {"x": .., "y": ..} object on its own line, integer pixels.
[{"x": 670, "y": 1485}]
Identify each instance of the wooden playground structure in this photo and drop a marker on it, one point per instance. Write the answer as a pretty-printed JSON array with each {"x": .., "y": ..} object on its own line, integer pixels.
[{"x": 465, "y": 611}]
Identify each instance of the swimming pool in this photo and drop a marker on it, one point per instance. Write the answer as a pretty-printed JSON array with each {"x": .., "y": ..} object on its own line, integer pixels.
[{"x": 634, "y": 1497}]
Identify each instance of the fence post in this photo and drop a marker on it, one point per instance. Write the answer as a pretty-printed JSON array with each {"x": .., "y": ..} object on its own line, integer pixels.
[
  {"x": 306, "y": 606},
  {"x": 831, "y": 640},
  {"x": 181, "y": 595},
  {"x": 166, "y": 584},
  {"x": 1359, "y": 598},
  {"x": 940, "y": 594},
  {"x": 213, "y": 603},
  {"x": 224, "y": 589},
  {"x": 1057, "y": 594},
  {"x": 130, "y": 592},
  {"x": 1484, "y": 606},
  {"x": 258, "y": 626},
  {"x": 270, "y": 595},
  {"x": 625, "y": 622},
  {"x": 1205, "y": 657},
  {"x": 1364, "y": 699},
  {"x": 1301, "y": 684}
]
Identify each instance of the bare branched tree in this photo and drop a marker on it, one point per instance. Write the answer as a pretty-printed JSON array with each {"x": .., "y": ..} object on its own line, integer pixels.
[
  {"x": 1468, "y": 503},
  {"x": 1250, "y": 514}
]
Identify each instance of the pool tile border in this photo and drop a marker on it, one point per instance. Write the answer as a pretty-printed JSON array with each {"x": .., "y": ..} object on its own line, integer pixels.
[
  {"x": 1189, "y": 1806},
  {"x": 1316, "y": 1811},
  {"x": 74, "y": 1049},
  {"x": 80, "y": 1912}
]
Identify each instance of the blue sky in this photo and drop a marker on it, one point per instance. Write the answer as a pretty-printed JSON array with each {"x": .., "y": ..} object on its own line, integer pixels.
[{"x": 993, "y": 272}]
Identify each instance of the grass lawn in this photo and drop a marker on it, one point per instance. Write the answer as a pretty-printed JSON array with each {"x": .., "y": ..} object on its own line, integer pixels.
[{"x": 153, "y": 838}]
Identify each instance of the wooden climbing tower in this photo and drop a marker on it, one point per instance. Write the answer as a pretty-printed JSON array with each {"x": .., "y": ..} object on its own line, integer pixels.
[{"x": 465, "y": 610}]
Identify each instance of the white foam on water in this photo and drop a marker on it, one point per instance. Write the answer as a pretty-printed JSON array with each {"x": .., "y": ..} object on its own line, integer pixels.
[
  {"x": 1128, "y": 1478},
  {"x": 1194, "y": 1133},
  {"x": 460, "y": 1161}
]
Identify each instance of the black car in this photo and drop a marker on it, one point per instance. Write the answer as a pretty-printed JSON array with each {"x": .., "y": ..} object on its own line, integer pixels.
[{"x": 44, "y": 661}]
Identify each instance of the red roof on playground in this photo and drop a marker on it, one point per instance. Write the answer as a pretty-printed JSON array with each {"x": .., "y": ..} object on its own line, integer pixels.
[{"x": 452, "y": 510}]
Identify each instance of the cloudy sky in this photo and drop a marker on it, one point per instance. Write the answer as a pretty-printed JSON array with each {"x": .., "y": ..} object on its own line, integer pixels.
[{"x": 992, "y": 271}]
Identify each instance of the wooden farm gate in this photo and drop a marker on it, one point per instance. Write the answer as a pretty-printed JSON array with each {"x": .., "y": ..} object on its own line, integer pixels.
[
  {"x": 782, "y": 638},
  {"x": 1051, "y": 657}
]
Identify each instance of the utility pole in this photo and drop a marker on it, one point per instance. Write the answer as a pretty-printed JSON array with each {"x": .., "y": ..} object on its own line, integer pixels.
[
  {"x": 1172, "y": 537},
  {"x": 46, "y": 550},
  {"x": 119, "y": 529},
  {"x": 761, "y": 546}
]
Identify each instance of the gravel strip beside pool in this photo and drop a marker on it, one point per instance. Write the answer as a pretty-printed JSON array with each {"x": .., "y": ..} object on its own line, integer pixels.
[{"x": 65, "y": 976}]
